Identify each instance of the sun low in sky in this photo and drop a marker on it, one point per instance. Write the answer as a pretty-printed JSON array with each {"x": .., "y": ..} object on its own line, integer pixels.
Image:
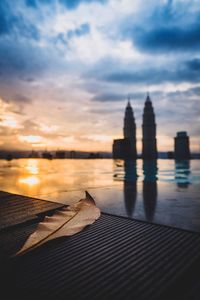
[{"x": 67, "y": 66}]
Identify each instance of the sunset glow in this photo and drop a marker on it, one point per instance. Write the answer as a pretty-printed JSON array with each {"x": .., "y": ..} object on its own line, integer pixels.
[
  {"x": 32, "y": 139},
  {"x": 67, "y": 68},
  {"x": 9, "y": 122}
]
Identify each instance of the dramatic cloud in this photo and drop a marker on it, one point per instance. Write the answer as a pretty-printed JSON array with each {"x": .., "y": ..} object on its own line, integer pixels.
[
  {"x": 110, "y": 97},
  {"x": 165, "y": 39},
  {"x": 16, "y": 23},
  {"x": 174, "y": 26},
  {"x": 187, "y": 72},
  {"x": 70, "y": 4},
  {"x": 194, "y": 64},
  {"x": 68, "y": 66}
]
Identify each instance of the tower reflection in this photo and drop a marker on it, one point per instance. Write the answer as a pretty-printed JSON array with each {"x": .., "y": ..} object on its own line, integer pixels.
[
  {"x": 130, "y": 186},
  {"x": 150, "y": 188},
  {"x": 182, "y": 173}
]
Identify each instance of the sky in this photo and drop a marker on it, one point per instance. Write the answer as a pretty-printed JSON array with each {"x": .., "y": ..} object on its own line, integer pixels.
[{"x": 67, "y": 68}]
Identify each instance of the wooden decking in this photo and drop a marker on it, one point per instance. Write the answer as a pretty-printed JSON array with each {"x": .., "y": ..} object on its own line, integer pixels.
[{"x": 115, "y": 258}]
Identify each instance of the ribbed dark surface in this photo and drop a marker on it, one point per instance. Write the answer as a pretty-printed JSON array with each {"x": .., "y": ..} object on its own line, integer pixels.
[
  {"x": 115, "y": 258},
  {"x": 16, "y": 209}
]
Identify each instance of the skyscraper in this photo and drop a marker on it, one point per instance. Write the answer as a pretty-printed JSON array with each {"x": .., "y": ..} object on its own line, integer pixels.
[
  {"x": 149, "y": 143},
  {"x": 181, "y": 146},
  {"x": 130, "y": 129},
  {"x": 126, "y": 148},
  {"x": 122, "y": 149}
]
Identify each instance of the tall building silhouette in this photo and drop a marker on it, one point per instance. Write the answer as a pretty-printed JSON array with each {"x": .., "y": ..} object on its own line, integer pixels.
[
  {"x": 130, "y": 129},
  {"x": 126, "y": 148},
  {"x": 122, "y": 149},
  {"x": 181, "y": 146},
  {"x": 149, "y": 143}
]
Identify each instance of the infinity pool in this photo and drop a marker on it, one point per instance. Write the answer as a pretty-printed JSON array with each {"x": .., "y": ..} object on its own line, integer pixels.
[{"x": 166, "y": 192}]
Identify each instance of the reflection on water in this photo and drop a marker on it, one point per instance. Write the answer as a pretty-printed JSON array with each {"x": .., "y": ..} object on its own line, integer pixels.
[
  {"x": 141, "y": 190},
  {"x": 150, "y": 193},
  {"x": 182, "y": 173},
  {"x": 130, "y": 186},
  {"x": 52, "y": 179},
  {"x": 150, "y": 188},
  {"x": 32, "y": 166},
  {"x": 30, "y": 180},
  {"x": 150, "y": 170}
]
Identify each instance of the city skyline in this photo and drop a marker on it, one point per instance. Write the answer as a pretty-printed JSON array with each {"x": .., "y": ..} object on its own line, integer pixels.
[{"x": 66, "y": 68}]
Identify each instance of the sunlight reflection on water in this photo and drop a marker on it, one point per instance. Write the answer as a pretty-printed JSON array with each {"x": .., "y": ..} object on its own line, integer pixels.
[
  {"x": 165, "y": 192},
  {"x": 31, "y": 180}
]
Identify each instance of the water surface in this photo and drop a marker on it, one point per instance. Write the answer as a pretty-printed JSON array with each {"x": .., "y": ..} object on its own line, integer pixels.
[{"x": 164, "y": 192}]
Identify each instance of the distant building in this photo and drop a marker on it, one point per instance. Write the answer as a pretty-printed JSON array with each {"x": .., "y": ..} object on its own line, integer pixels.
[
  {"x": 60, "y": 154},
  {"x": 47, "y": 155},
  {"x": 130, "y": 130},
  {"x": 149, "y": 143},
  {"x": 72, "y": 154},
  {"x": 181, "y": 146},
  {"x": 126, "y": 148},
  {"x": 170, "y": 154},
  {"x": 33, "y": 154},
  {"x": 9, "y": 156},
  {"x": 94, "y": 155},
  {"x": 122, "y": 149}
]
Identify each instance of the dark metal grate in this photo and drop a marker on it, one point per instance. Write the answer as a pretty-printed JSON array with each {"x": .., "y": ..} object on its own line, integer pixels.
[{"x": 115, "y": 258}]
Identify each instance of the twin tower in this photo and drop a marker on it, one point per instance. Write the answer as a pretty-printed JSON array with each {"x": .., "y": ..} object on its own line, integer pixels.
[{"x": 126, "y": 148}]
